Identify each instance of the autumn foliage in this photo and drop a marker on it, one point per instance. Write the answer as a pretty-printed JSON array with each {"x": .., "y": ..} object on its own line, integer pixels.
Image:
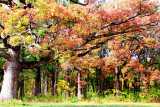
[{"x": 125, "y": 32}]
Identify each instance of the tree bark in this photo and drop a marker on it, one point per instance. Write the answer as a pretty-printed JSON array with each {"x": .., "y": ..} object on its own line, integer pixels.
[
  {"x": 67, "y": 80},
  {"x": 117, "y": 73},
  {"x": 87, "y": 85},
  {"x": 22, "y": 92},
  {"x": 21, "y": 80},
  {"x": 56, "y": 78},
  {"x": 92, "y": 85},
  {"x": 76, "y": 88},
  {"x": 79, "y": 85},
  {"x": 52, "y": 85},
  {"x": 38, "y": 82},
  {"x": 11, "y": 74}
]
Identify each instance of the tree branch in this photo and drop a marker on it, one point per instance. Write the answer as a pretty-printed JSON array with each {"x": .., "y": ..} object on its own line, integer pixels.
[
  {"x": 83, "y": 4},
  {"x": 4, "y": 54},
  {"x": 96, "y": 46},
  {"x": 35, "y": 64},
  {"x": 39, "y": 25}
]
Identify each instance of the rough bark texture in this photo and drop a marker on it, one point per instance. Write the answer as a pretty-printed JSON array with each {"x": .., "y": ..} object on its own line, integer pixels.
[{"x": 11, "y": 73}]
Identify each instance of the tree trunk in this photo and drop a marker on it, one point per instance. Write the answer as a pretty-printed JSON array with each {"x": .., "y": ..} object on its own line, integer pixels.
[
  {"x": 21, "y": 80},
  {"x": 76, "y": 88},
  {"x": 22, "y": 92},
  {"x": 67, "y": 80},
  {"x": 92, "y": 85},
  {"x": 117, "y": 72},
  {"x": 88, "y": 82},
  {"x": 11, "y": 74},
  {"x": 38, "y": 82},
  {"x": 46, "y": 85},
  {"x": 79, "y": 85},
  {"x": 43, "y": 83},
  {"x": 52, "y": 85},
  {"x": 1, "y": 77},
  {"x": 84, "y": 92},
  {"x": 56, "y": 78}
]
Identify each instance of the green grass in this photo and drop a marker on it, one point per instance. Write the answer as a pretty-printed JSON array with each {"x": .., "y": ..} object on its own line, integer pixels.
[
  {"x": 17, "y": 103},
  {"x": 78, "y": 105}
]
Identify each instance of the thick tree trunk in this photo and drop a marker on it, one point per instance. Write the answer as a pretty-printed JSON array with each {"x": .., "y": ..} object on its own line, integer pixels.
[
  {"x": 1, "y": 77},
  {"x": 56, "y": 78},
  {"x": 38, "y": 82},
  {"x": 79, "y": 85},
  {"x": 117, "y": 72},
  {"x": 11, "y": 74}
]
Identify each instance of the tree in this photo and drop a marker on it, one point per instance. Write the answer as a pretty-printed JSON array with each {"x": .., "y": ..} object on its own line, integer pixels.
[{"x": 69, "y": 33}]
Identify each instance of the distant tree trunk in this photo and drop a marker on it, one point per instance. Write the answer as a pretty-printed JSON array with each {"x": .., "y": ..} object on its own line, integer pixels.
[
  {"x": 67, "y": 80},
  {"x": 79, "y": 85},
  {"x": 102, "y": 88},
  {"x": 56, "y": 78},
  {"x": 43, "y": 83},
  {"x": 11, "y": 73},
  {"x": 46, "y": 85},
  {"x": 38, "y": 82},
  {"x": 53, "y": 79},
  {"x": 92, "y": 85},
  {"x": 76, "y": 88},
  {"x": 21, "y": 83},
  {"x": 117, "y": 73},
  {"x": 97, "y": 85},
  {"x": 84, "y": 92},
  {"x": 21, "y": 80},
  {"x": 88, "y": 82}
]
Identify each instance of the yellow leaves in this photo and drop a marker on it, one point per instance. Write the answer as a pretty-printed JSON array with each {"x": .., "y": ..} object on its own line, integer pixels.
[
  {"x": 92, "y": 70},
  {"x": 29, "y": 39},
  {"x": 16, "y": 40},
  {"x": 64, "y": 86},
  {"x": 19, "y": 40}
]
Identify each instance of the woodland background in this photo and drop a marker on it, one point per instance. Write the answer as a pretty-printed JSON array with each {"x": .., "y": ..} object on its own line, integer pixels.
[{"x": 123, "y": 69}]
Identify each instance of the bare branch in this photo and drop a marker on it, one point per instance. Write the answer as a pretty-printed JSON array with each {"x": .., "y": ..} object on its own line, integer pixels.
[
  {"x": 39, "y": 25},
  {"x": 96, "y": 46}
]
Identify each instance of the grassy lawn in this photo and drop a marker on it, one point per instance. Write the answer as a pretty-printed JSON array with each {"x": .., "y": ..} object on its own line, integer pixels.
[
  {"x": 40, "y": 104},
  {"x": 95, "y": 105}
]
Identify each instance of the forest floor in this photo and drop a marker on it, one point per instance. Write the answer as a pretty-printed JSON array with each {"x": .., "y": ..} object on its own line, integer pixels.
[{"x": 91, "y": 105}]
